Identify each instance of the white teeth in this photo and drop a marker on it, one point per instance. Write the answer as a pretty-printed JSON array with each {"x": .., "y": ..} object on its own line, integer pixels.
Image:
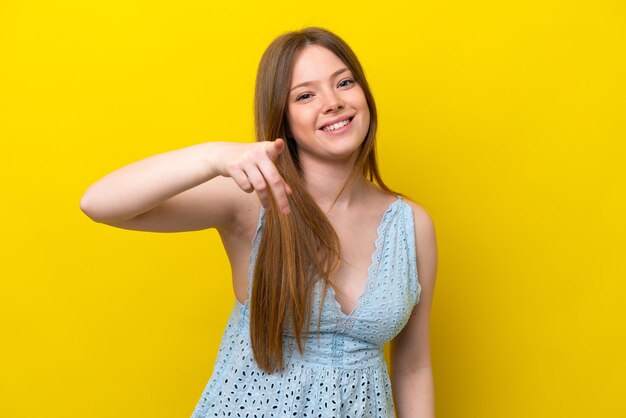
[{"x": 336, "y": 125}]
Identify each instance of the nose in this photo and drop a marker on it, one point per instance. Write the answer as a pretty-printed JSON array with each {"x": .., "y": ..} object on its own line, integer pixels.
[{"x": 332, "y": 102}]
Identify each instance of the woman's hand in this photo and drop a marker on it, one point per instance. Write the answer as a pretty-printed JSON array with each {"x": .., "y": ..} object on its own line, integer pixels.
[{"x": 252, "y": 167}]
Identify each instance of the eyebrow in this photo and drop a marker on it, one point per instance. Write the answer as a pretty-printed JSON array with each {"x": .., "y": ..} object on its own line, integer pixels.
[{"x": 307, "y": 83}]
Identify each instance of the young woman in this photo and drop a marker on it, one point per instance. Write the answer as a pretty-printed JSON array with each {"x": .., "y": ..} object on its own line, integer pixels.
[{"x": 328, "y": 263}]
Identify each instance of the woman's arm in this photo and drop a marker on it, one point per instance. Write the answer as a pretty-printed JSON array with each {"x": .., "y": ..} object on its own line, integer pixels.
[
  {"x": 172, "y": 192},
  {"x": 411, "y": 372}
]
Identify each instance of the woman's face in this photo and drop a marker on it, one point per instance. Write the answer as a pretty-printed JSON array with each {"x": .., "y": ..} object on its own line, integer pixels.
[{"x": 327, "y": 111}]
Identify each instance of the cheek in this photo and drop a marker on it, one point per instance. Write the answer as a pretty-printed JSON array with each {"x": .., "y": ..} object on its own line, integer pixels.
[
  {"x": 358, "y": 100},
  {"x": 365, "y": 113},
  {"x": 364, "y": 109},
  {"x": 300, "y": 121}
]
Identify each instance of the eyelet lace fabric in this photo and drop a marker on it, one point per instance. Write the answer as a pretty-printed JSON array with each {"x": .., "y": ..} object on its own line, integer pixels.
[{"x": 342, "y": 372}]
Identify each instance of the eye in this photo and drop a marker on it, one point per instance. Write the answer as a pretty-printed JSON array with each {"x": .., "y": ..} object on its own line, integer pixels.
[
  {"x": 303, "y": 96},
  {"x": 346, "y": 83}
]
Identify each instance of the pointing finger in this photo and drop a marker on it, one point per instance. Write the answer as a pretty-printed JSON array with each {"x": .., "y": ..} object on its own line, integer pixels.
[
  {"x": 260, "y": 186},
  {"x": 276, "y": 184}
]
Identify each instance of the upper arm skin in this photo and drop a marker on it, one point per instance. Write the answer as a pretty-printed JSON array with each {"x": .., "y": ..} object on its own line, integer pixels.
[
  {"x": 410, "y": 349},
  {"x": 216, "y": 203}
]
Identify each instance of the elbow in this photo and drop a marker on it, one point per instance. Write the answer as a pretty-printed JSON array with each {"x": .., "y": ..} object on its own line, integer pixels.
[
  {"x": 86, "y": 206},
  {"x": 101, "y": 210},
  {"x": 90, "y": 208}
]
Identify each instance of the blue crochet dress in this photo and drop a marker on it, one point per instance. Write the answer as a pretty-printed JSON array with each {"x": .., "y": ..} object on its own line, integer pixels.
[{"x": 343, "y": 372}]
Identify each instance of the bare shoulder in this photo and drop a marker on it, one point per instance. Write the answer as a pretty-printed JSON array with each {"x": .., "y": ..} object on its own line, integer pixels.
[{"x": 424, "y": 224}]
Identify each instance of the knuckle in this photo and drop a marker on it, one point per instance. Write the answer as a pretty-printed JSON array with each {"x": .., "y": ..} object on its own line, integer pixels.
[
  {"x": 256, "y": 152},
  {"x": 274, "y": 179}
]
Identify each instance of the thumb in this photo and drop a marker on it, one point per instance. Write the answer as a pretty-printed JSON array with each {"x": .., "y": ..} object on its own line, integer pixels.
[{"x": 276, "y": 148}]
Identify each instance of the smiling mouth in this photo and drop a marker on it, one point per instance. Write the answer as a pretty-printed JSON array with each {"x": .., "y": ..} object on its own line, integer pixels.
[{"x": 338, "y": 125}]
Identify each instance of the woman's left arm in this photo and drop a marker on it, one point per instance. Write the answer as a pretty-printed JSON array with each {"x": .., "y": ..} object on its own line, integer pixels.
[{"x": 411, "y": 372}]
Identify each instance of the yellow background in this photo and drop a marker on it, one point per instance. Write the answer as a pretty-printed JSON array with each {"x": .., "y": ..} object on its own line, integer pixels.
[{"x": 505, "y": 120}]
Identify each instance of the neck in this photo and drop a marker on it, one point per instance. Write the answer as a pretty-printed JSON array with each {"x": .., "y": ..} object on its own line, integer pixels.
[{"x": 325, "y": 180}]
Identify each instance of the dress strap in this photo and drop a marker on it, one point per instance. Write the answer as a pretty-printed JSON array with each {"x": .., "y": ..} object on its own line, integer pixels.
[
  {"x": 256, "y": 241},
  {"x": 409, "y": 229}
]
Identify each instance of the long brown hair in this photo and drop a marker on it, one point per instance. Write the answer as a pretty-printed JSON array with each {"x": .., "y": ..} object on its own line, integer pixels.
[{"x": 298, "y": 248}]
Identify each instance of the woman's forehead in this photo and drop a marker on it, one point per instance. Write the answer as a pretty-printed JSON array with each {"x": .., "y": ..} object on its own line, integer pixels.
[{"x": 316, "y": 63}]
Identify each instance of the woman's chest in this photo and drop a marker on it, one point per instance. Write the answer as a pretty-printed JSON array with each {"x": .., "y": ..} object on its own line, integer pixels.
[
  {"x": 357, "y": 242},
  {"x": 376, "y": 315},
  {"x": 386, "y": 279}
]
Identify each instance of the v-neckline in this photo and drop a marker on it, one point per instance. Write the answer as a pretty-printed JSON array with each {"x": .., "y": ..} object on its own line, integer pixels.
[{"x": 374, "y": 261}]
